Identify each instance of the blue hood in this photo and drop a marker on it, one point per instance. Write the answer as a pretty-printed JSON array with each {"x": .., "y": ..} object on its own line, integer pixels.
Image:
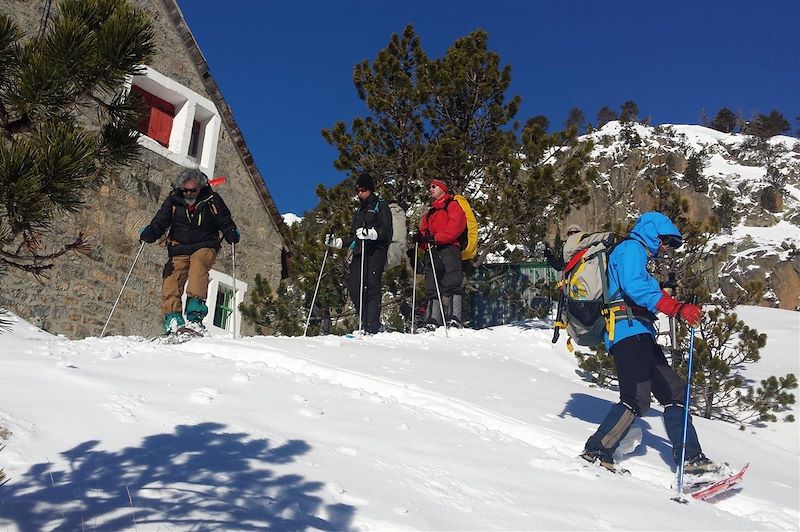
[{"x": 650, "y": 226}]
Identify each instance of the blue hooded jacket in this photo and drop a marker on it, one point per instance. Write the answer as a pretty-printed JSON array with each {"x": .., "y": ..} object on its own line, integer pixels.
[{"x": 628, "y": 277}]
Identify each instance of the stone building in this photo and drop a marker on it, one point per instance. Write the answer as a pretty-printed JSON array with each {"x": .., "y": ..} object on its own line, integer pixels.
[{"x": 190, "y": 125}]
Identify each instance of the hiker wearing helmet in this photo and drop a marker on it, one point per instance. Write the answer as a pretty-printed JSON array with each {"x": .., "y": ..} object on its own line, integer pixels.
[
  {"x": 440, "y": 229},
  {"x": 195, "y": 216},
  {"x": 642, "y": 368}
]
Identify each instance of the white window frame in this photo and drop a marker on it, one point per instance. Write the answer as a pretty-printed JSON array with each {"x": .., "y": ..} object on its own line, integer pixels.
[
  {"x": 189, "y": 107},
  {"x": 235, "y": 321}
]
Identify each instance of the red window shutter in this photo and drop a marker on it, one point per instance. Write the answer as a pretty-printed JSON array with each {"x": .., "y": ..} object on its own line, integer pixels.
[
  {"x": 160, "y": 126},
  {"x": 157, "y": 123}
]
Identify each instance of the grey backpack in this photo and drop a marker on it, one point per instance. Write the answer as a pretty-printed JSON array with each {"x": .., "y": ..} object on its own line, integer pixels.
[
  {"x": 397, "y": 247},
  {"x": 584, "y": 287}
]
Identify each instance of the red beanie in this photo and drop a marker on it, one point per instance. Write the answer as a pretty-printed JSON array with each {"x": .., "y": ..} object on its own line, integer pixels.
[{"x": 440, "y": 184}]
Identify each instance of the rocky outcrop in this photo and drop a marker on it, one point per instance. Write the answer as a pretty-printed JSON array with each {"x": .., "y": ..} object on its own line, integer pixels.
[{"x": 626, "y": 189}]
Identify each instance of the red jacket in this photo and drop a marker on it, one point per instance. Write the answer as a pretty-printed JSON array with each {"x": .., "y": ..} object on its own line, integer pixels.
[{"x": 445, "y": 220}]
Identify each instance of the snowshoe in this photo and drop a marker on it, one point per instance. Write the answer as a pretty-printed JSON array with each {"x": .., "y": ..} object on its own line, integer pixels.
[
  {"x": 195, "y": 327},
  {"x": 601, "y": 458}
]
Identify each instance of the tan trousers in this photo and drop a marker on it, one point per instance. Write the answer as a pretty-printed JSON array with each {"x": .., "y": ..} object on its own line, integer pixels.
[{"x": 178, "y": 270}]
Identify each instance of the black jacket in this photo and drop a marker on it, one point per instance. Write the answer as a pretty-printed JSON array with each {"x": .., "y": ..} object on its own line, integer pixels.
[
  {"x": 373, "y": 212},
  {"x": 192, "y": 231}
]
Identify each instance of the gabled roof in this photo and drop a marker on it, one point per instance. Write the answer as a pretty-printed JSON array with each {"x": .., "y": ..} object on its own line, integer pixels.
[{"x": 215, "y": 95}]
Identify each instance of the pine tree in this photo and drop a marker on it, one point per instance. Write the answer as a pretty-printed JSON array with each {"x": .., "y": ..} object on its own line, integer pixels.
[
  {"x": 725, "y": 121},
  {"x": 556, "y": 179},
  {"x": 694, "y": 171},
  {"x": 773, "y": 156},
  {"x": 576, "y": 119},
  {"x": 725, "y": 210},
  {"x": 390, "y": 143},
  {"x": 438, "y": 118},
  {"x": 599, "y": 366},
  {"x": 605, "y": 115},
  {"x": 630, "y": 136},
  {"x": 629, "y": 112},
  {"x": 51, "y": 149},
  {"x": 766, "y": 126},
  {"x": 723, "y": 345}
]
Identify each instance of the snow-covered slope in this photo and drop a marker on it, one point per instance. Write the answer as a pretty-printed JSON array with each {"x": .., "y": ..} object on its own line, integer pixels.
[{"x": 479, "y": 431}]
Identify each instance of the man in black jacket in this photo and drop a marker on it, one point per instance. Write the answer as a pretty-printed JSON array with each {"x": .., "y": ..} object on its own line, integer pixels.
[
  {"x": 195, "y": 216},
  {"x": 370, "y": 232}
]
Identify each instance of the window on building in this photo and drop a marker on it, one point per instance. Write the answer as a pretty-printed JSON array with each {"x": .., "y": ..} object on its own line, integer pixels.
[
  {"x": 223, "y": 307},
  {"x": 180, "y": 124},
  {"x": 194, "y": 141}
]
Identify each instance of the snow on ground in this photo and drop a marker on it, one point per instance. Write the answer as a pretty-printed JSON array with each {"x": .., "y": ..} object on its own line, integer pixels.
[{"x": 479, "y": 431}]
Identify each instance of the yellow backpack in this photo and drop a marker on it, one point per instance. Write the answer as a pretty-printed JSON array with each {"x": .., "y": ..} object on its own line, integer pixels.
[{"x": 469, "y": 238}]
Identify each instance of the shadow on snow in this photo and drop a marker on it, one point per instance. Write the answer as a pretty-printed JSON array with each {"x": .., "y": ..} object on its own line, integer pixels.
[
  {"x": 198, "y": 477},
  {"x": 593, "y": 409}
]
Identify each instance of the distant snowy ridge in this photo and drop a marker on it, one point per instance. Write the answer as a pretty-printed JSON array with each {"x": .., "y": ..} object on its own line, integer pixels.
[{"x": 763, "y": 241}]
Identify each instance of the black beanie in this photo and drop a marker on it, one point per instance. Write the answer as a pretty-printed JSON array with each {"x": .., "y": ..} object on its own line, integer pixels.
[{"x": 365, "y": 181}]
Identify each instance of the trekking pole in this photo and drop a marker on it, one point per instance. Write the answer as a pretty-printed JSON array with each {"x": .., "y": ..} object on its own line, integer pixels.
[
  {"x": 557, "y": 322},
  {"x": 414, "y": 290},
  {"x": 233, "y": 275},
  {"x": 679, "y": 498},
  {"x": 135, "y": 260},
  {"x": 361, "y": 292},
  {"x": 438, "y": 292},
  {"x": 313, "y": 299},
  {"x": 671, "y": 285}
]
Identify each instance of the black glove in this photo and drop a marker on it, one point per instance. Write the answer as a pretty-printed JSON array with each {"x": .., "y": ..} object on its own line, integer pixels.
[
  {"x": 426, "y": 238},
  {"x": 232, "y": 236},
  {"x": 146, "y": 235}
]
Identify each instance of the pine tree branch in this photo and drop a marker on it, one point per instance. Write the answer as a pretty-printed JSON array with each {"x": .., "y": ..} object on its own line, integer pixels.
[{"x": 36, "y": 263}]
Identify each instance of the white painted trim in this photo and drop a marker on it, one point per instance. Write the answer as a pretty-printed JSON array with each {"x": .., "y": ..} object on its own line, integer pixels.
[
  {"x": 189, "y": 106},
  {"x": 215, "y": 279}
]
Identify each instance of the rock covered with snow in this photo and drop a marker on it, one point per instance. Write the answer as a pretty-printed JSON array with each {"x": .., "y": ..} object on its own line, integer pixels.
[{"x": 762, "y": 178}]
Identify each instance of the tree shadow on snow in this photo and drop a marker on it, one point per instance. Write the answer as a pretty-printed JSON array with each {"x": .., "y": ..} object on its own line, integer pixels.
[
  {"x": 198, "y": 477},
  {"x": 593, "y": 409}
]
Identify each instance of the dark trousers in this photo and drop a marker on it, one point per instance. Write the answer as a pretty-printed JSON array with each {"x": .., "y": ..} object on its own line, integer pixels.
[
  {"x": 374, "y": 262},
  {"x": 642, "y": 370},
  {"x": 447, "y": 261}
]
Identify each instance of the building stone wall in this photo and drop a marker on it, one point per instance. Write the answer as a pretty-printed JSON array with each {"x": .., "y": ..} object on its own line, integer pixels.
[{"x": 77, "y": 295}]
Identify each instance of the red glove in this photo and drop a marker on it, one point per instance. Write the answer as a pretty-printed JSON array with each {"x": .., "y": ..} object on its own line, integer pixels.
[{"x": 672, "y": 307}]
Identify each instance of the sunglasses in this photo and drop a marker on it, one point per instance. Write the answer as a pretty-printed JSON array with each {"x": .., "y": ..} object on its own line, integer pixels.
[
  {"x": 185, "y": 190},
  {"x": 361, "y": 189},
  {"x": 671, "y": 241},
  {"x": 433, "y": 186}
]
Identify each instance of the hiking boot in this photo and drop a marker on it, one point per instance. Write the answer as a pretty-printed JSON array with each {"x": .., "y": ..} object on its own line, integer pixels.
[
  {"x": 455, "y": 323},
  {"x": 196, "y": 309},
  {"x": 699, "y": 465},
  {"x": 601, "y": 457},
  {"x": 172, "y": 322}
]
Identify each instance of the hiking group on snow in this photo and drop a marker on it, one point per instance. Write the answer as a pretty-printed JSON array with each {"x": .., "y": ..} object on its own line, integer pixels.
[{"x": 608, "y": 296}]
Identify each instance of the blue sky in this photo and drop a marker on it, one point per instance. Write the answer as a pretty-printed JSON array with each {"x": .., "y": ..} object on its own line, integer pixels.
[{"x": 285, "y": 66}]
